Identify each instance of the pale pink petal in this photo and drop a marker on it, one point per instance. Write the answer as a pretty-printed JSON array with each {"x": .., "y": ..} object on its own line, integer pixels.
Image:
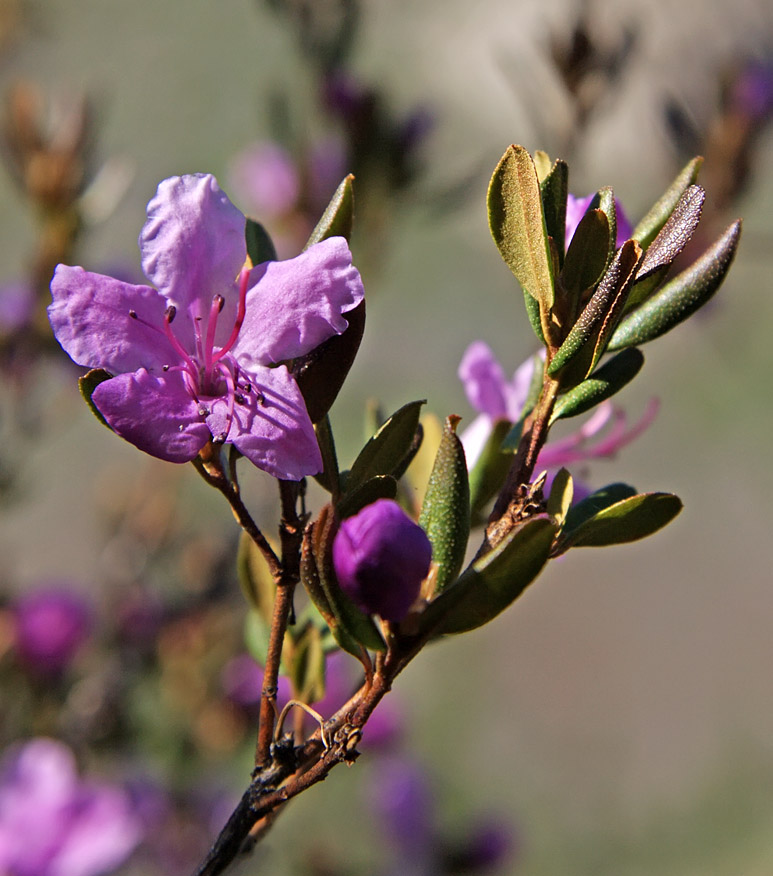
[
  {"x": 483, "y": 380},
  {"x": 192, "y": 243},
  {"x": 295, "y": 305},
  {"x": 270, "y": 426},
  {"x": 156, "y": 414},
  {"x": 91, "y": 316}
]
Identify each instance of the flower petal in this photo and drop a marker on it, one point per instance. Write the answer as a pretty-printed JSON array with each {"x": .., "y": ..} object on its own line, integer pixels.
[
  {"x": 155, "y": 413},
  {"x": 483, "y": 380},
  {"x": 270, "y": 426},
  {"x": 295, "y": 305},
  {"x": 90, "y": 316},
  {"x": 193, "y": 242}
]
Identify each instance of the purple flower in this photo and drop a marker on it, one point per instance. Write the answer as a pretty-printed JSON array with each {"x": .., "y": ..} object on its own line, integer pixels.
[
  {"x": 54, "y": 824},
  {"x": 196, "y": 358},
  {"x": 51, "y": 624},
  {"x": 576, "y": 209},
  {"x": 751, "y": 91},
  {"x": 496, "y": 398},
  {"x": 265, "y": 175},
  {"x": 381, "y": 557}
]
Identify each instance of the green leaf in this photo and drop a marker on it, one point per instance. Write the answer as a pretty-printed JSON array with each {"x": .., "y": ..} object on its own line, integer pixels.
[
  {"x": 554, "y": 188},
  {"x": 378, "y": 487},
  {"x": 586, "y": 258},
  {"x": 491, "y": 467},
  {"x": 518, "y": 226},
  {"x": 493, "y": 582},
  {"x": 255, "y": 578},
  {"x": 560, "y": 499},
  {"x": 628, "y": 520},
  {"x": 307, "y": 669},
  {"x": 675, "y": 234},
  {"x": 533, "y": 313},
  {"x": 338, "y": 217},
  {"x": 681, "y": 297},
  {"x": 445, "y": 513},
  {"x": 386, "y": 450},
  {"x": 87, "y": 384},
  {"x": 329, "y": 478},
  {"x": 590, "y": 506},
  {"x": 646, "y": 231},
  {"x": 321, "y": 373},
  {"x": 601, "y": 385},
  {"x": 256, "y": 635},
  {"x": 260, "y": 247},
  {"x": 605, "y": 201},
  {"x": 587, "y": 339}
]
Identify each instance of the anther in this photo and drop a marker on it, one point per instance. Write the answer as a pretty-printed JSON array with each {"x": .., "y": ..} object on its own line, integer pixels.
[
  {"x": 170, "y": 313},
  {"x": 220, "y": 301},
  {"x": 133, "y": 314},
  {"x": 164, "y": 367},
  {"x": 203, "y": 412}
]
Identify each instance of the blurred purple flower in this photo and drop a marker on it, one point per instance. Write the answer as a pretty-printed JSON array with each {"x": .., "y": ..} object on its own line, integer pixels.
[
  {"x": 266, "y": 177},
  {"x": 242, "y": 682},
  {"x": 213, "y": 375},
  {"x": 51, "y": 623},
  {"x": 381, "y": 557},
  {"x": 576, "y": 209},
  {"x": 496, "y": 398},
  {"x": 54, "y": 824},
  {"x": 751, "y": 91},
  {"x": 17, "y": 306}
]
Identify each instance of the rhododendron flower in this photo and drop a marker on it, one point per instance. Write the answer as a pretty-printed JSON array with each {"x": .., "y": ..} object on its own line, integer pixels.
[
  {"x": 380, "y": 558},
  {"x": 576, "y": 209},
  {"x": 196, "y": 358},
  {"x": 54, "y": 824},
  {"x": 496, "y": 398}
]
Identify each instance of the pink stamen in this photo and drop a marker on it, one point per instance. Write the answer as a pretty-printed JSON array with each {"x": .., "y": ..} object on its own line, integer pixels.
[
  {"x": 214, "y": 311},
  {"x": 169, "y": 315},
  {"x": 231, "y": 395},
  {"x": 243, "y": 280}
]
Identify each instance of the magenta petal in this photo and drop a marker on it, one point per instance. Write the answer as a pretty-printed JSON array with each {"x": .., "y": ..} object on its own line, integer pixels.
[
  {"x": 483, "y": 380},
  {"x": 91, "y": 318},
  {"x": 271, "y": 426},
  {"x": 295, "y": 305},
  {"x": 193, "y": 242},
  {"x": 155, "y": 413}
]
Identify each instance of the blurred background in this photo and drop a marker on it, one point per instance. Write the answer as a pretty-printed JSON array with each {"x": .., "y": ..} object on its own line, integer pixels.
[{"x": 619, "y": 719}]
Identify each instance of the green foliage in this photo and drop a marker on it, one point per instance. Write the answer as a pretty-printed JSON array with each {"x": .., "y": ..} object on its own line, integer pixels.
[
  {"x": 680, "y": 297},
  {"x": 494, "y": 581},
  {"x": 518, "y": 225},
  {"x": 386, "y": 452},
  {"x": 260, "y": 247},
  {"x": 338, "y": 217},
  {"x": 646, "y": 231},
  {"x": 87, "y": 384},
  {"x": 601, "y": 385},
  {"x": 445, "y": 513}
]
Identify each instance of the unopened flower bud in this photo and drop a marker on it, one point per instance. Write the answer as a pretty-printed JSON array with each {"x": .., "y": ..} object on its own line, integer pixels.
[{"x": 381, "y": 557}]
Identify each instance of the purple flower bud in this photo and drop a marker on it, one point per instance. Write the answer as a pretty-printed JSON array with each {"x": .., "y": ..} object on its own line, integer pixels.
[
  {"x": 381, "y": 557},
  {"x": 576, "y": 209},
  {"x": 50, "y": 626}
]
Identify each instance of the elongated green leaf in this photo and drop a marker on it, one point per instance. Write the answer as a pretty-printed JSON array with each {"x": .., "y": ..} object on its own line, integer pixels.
[
  {"x": 260, "y": 247},
  {"x": 87, "y": 384},
  {"x": 674, "y": 235},
  {"x": 587, "y": 339},
  {"x": 491, "y": 468},
  {"x": 518, "y": 226},
  {"x": 605, "y": 201},
  {"x": 554, "y": 188},
  {"x": 378, "y": 487},
  {"x": 445, "y": 513},
  {"x": 586, "y": 258},
  {"x": 387, "y": 449},
  {"x": 321, "y": 373},
  {"x": 338, "y": 217},
  {"x": 601, "y": 385},
  {"x": 646, "y": 231},
  {"x": 680, "y": 297},
  {"x": 493, "y": 582},
  {"x": 307, "y": 669},
  {"x": 628, "y": 520},
  {"x": 329, "y": 477},
  {"x": 591, "y": 505},
  {"x": 560, "y": 498}
]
